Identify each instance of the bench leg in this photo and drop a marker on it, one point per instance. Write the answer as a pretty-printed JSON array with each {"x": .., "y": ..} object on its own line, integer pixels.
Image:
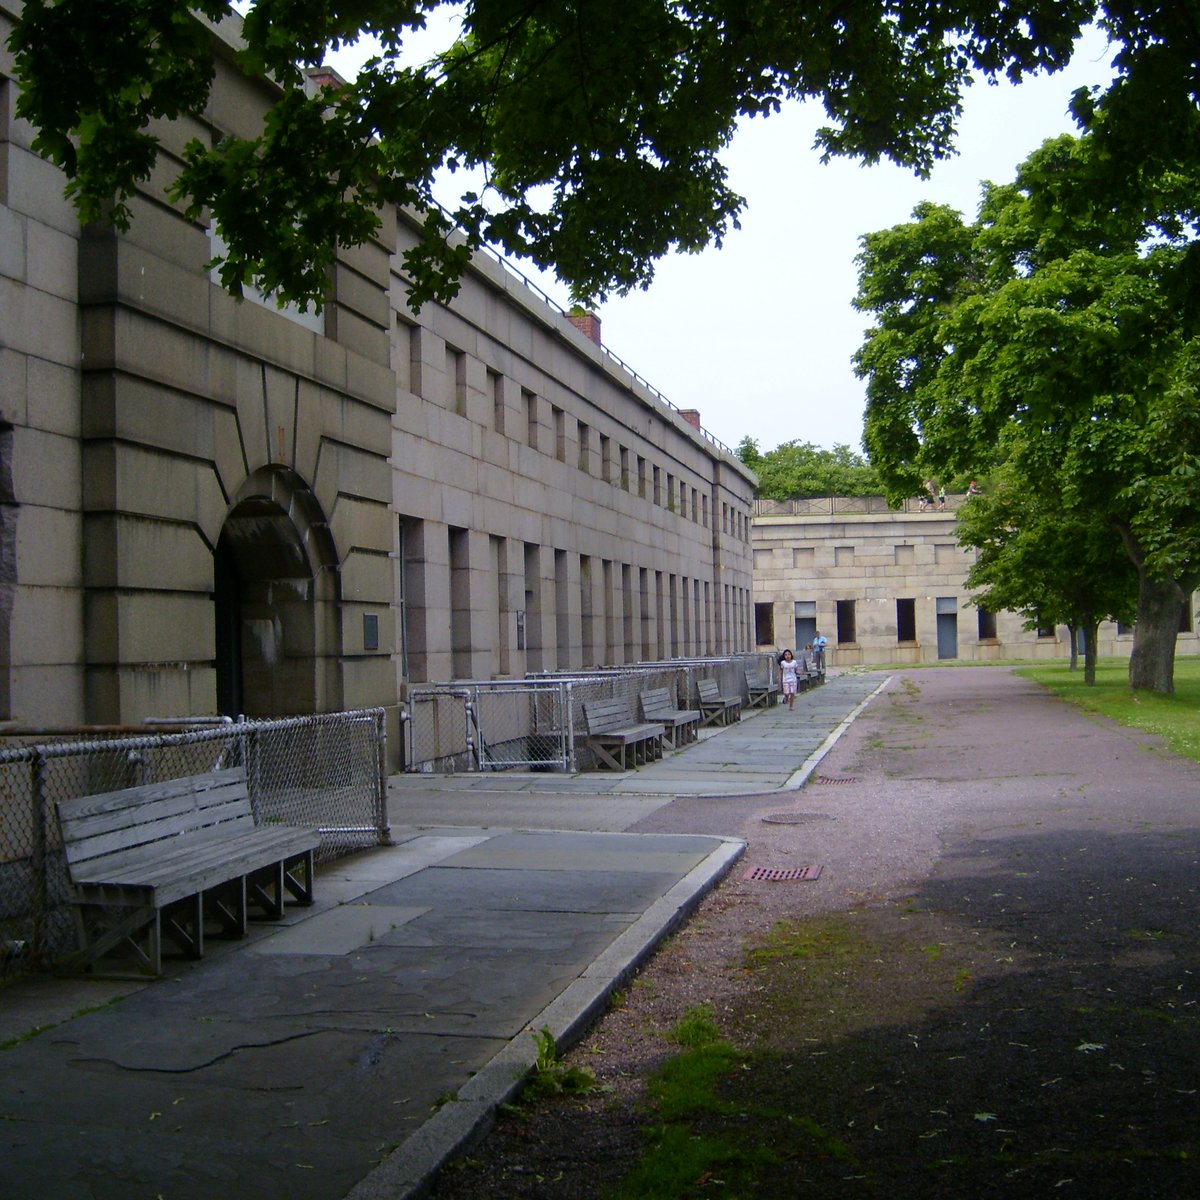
[
  {"x": 227, "y": 905},
  {"x": 298, "y": 877},
  {"x": 264, "y": 887},
  {"x": 183, "y": 923},
  {"x": 103, "y": 928},
  {"x": 605, "y": 758}
]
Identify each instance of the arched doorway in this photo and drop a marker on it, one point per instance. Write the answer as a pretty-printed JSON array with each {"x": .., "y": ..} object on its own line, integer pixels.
[{"x": 276, "y": 594}]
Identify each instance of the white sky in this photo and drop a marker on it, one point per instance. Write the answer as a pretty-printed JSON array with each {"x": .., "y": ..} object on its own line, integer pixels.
[{"x": 759, "y": 334}]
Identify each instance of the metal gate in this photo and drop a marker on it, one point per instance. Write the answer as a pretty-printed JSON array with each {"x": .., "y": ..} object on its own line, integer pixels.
[{"x": 489, "y": 726}]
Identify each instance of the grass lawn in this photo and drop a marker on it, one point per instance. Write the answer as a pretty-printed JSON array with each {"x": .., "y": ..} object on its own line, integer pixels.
[{"x": 1176, "y": 719}]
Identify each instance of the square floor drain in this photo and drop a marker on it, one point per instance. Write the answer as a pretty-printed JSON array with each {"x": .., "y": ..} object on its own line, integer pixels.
[{"x": 782, "y": 874}]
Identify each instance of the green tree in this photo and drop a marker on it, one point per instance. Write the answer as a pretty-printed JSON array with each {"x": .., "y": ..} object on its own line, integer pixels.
[
  {"x": 1037, "y": 557},
  {"x": 799, "y": 470},
  {"x": 598, "y": 128},
  {"x": 1070, "y": 311}
]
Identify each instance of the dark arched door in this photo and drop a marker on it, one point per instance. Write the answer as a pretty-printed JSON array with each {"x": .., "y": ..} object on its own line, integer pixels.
[{"x": 275, "y": 591}]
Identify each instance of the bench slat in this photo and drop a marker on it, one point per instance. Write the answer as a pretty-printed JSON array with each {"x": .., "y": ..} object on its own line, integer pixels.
[
  {"x": 210, "y": 854},
  {"x": 165, "y": 883},
  {"x": 153, "y": 834},
  {"x": 136, "y": 798},
  {"x": 94, "y": 825}
]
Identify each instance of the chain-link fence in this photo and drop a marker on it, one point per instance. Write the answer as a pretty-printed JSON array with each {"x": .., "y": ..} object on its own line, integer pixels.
[
  {"x": 326, "y": 771},
  {"x": 537, "y": 723}
]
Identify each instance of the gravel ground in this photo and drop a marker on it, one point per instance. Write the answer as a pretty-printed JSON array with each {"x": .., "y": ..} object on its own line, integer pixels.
[{"x": 989, "y": 991}]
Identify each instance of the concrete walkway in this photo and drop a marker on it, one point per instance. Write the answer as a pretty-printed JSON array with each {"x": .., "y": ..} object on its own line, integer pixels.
[{"x": 348, "y": 1051}]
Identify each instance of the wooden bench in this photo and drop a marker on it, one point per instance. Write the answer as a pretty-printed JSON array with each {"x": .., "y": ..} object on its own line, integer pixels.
[
  {"x": 808, "y": 675},
  {"x": 682, "y": 724},
  {"x": 618, "y": 737},
  {"x": 167, "y": 858},
  {"x": 715, "y": 708},
  {"x": 760, "y": 688}
]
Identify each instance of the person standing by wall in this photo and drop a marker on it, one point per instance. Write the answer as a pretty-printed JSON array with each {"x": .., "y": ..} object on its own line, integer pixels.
[{"x": 819, "y": 642}]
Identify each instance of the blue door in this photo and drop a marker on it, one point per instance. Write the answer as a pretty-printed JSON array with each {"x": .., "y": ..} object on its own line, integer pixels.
[{"x": 947, "y": 627}]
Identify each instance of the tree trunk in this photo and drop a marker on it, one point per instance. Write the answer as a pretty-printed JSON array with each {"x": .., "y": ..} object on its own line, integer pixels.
[
  {"x": 1091, "y": 633},
  {"x": 1159, "y": 607},
  {"x": 1152, "y": 663},
  {"x": 1071, "y": 634}
]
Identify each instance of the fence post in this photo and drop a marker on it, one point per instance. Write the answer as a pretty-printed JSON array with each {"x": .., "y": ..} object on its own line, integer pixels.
[
  {"x": 406, "y": 737},
  {"x": 37, "y": 859},
  {"x": 471, "y": 730},
  {"x": 253, "y": 770},
  {"x": 567, "y": 704},
  {"x": 383, "y": 824}
]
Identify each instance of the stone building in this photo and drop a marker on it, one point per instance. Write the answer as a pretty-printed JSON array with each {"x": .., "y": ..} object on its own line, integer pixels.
[
  {"x": 888, "y": 586},
  {"x": 211, "y": 505}
]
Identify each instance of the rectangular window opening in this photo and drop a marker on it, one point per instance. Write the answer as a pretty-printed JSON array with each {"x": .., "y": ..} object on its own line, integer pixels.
[
  {"x": 764, "y": 624},
  {"x": 846, "y": 630},
  {"x": 987, "y": 625}
]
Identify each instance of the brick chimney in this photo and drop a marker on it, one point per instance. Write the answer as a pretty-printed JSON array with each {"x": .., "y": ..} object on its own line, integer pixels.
[
  {"x": 587, "y": 323},
  {"x": 691, "y": 416},
  {"x": 320, "y": 78}
]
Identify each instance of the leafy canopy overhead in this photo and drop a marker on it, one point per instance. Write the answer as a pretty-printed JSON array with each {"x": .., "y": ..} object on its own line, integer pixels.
[{"x": 596, "y": 128}]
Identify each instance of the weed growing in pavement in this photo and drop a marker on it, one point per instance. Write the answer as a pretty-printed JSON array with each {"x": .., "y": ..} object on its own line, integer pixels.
[
  {"x": 789, "y": 939},
  {"x": 552, "y": 1077},
  {"x": 680, "y": 1155},
  {"x": 37, "y": 1030},
  {"x": 696, "y": 1028}
]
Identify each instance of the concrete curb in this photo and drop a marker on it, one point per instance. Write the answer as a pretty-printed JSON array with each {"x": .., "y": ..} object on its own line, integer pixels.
[
  {"x": 459, "y": 1124},
  {"x": 800, "y": 777}
]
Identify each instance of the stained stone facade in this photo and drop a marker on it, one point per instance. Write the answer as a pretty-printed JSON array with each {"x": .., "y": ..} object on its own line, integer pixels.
[
  {"x": 889, "y": 586},
  {"x": 208, "y": 505}
]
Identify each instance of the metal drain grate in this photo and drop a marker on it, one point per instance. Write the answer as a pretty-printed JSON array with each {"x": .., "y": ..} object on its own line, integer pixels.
[
  {"x": 830, "y": 779},
  {"x": 782, "y": 874}
]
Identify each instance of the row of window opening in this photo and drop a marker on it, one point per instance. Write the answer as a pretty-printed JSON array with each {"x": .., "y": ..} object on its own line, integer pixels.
[{"x": 595, "y": 453}]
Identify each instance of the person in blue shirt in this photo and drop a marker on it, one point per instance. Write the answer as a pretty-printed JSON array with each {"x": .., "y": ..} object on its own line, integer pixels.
[{"x": 819, "y": 643}]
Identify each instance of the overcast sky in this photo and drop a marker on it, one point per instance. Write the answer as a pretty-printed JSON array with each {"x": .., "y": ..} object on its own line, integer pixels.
[{"x": 759, "y": 334}]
